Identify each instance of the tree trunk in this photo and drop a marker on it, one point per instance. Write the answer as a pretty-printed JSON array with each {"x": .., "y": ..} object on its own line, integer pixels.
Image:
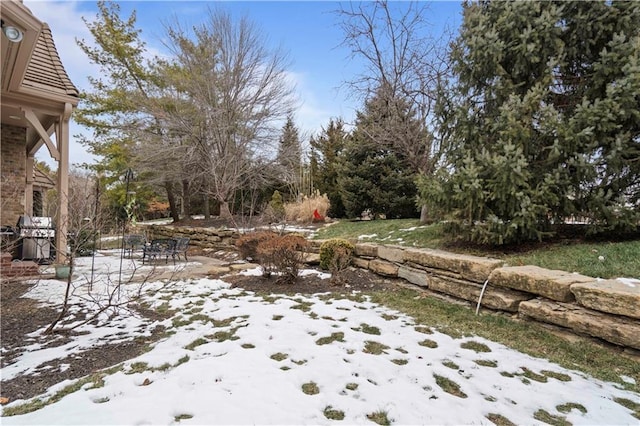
[
  {"x": 225, "y": 212},
  {"x": 186, "y": 199},
  {"x": 205, "y": 202},
  {"x": 175, "y": 215},
  {"x": 424, "y": 215}
]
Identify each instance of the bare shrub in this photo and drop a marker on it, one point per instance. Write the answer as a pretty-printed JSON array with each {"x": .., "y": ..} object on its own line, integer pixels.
[
  {"x": 336, "y": 255},
  {"x": 285, "y": 254},
  {"x": 302, "y": 211},
  {"x": 248, "y": 243}
]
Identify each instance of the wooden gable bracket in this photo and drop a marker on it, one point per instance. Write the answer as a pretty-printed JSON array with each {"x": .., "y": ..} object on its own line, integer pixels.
[{"x": 30, "y": 116}]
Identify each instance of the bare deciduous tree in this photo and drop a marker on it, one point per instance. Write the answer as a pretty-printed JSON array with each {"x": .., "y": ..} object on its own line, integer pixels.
[
  {"x": 404, "y": 62},
  {"x": 230, "y": 95}
]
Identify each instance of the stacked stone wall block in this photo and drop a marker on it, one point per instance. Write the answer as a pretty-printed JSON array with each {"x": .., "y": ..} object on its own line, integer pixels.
[
  {"x": 415, "y": 276},
  {"x": 201, "y": 237},
  {"x": 433, "y": 271},
  {"x": 611, "y": 328},
  {"x": 472, "y": 268},
  {"x": 552, "y": 284},
  {"x": 382, "y": 267},
  {"x": 493, "y": 297},
  {"x": 360, "y": 262},
  {"x": 311, "y": 258},
  {"x": 366, "y": 250},
  {"x": 610, "y": 296},
  {"x": 393, "y": 254}
]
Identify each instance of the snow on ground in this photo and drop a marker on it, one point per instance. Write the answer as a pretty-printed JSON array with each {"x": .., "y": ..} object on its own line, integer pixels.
[
  {"x": 631, "y": 282},
  {"x": 238, "y": 358}
]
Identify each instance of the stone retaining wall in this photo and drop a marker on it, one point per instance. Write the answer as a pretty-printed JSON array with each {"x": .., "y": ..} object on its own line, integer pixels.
[
  {"x": 220, "y": 239},
  {"x": 606, "y": 309}
]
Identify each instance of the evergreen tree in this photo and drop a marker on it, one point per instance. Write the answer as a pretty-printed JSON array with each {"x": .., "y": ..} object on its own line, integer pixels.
[
  {"x": 544, "y": 120},
  {"x": 326, "y": 150},
  {"x": 114, "y": 105},
  {"x": 373, "y": 174},
  {"x": 289, "y": 158}
]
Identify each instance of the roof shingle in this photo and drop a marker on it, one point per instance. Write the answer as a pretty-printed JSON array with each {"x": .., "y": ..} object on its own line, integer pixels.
[{"x": 45, "y": 70}]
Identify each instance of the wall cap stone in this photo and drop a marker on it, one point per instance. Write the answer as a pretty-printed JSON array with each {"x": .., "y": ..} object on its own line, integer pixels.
[{"x": 612, "y": 296}]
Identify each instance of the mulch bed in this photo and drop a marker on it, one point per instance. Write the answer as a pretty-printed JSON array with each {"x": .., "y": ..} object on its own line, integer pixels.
[
  {"x": 22, "y": 316},
  {"x": 353, "y": 279}
]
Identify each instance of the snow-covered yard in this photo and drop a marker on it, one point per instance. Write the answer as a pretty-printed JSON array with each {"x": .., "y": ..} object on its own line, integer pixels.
[{"x": 232, "y": 357}]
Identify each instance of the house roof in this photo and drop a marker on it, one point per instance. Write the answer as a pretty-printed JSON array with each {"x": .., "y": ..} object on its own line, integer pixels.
[
  {"x": 32, "y": 72},
  {"x": 45, "y": 70},
  {"x": 42, "y": 180},
  {"x": 35, "y": 84}
]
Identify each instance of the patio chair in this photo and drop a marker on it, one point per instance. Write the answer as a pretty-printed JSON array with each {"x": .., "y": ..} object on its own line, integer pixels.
[
  {"x": 158, "y": 249},
  {"x": 133, "y": 242},
  {"x": 182, "y": 244}
]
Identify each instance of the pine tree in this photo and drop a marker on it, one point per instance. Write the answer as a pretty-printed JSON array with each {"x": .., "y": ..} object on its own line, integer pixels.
[
  {"x": 544, "y": 120},
  {"x": 374, "y": 174},
  {"x": 289, "y": 158},
  {"x": 112, "y": 108},
  {"x": 325, "y": 152}
]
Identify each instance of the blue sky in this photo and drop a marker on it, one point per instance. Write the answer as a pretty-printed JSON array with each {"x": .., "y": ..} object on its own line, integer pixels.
[{"x": 308, "y": 30}]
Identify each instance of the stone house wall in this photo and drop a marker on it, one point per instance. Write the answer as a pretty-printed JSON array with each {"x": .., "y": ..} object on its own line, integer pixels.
[{"x": 13, "y": 165}]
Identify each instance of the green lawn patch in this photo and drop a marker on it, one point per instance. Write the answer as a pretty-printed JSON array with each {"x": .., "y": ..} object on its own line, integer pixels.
[
  {"x": 333, "y": 414},
  {"x": 367, "y": 329},
  {"x": 551, "y": 419},
  {"x": 199, "y": 341},
  {"x": 310, "y": 388},
  {"x": 279, "y": 356},
  {"x": 450, "y": 364},
  {"x": 449, "y": 386},
  {"x": 499, "y": 420},
  {"x": 374, "y": 348},
  {"x": 335, "y": 337},
  {"x": 486, "y": 363},
  {"x": 530, "y": 338},
  {"x": 352, "y": 386},
  {"x": 428, "y": 343},
  {"x": 379, "y": 417},
  {"x": 475, "y": 346},
  {"x": 566, "y": 408}
]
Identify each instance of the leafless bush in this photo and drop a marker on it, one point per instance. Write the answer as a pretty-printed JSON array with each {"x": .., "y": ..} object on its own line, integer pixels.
[
  {"x": 247, "y": 244},
  {"x": 285, "y": 254}
]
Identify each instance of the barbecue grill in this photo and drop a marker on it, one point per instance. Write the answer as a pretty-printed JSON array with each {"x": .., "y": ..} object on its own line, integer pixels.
[{"x": 36, "y": 234}]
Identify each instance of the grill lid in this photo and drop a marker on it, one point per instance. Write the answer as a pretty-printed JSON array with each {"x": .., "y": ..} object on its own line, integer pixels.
[{"x": 40, "y": 222}]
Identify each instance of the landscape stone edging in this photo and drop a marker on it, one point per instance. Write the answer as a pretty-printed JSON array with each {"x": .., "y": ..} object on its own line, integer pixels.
[{"x": 606, "y": 309}]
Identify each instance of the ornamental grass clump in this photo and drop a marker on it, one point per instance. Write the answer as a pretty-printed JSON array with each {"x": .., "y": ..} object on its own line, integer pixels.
[
  {"x": 336, "y": 255},
  {"x": 303, "y": 210}
]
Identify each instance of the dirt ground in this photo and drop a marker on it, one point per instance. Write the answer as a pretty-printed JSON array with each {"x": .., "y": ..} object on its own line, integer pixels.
[{"x": 22, "y": 316}]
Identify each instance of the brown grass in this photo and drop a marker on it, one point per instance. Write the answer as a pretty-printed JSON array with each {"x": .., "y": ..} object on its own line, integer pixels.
[{"x": 302, "y": 211}]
